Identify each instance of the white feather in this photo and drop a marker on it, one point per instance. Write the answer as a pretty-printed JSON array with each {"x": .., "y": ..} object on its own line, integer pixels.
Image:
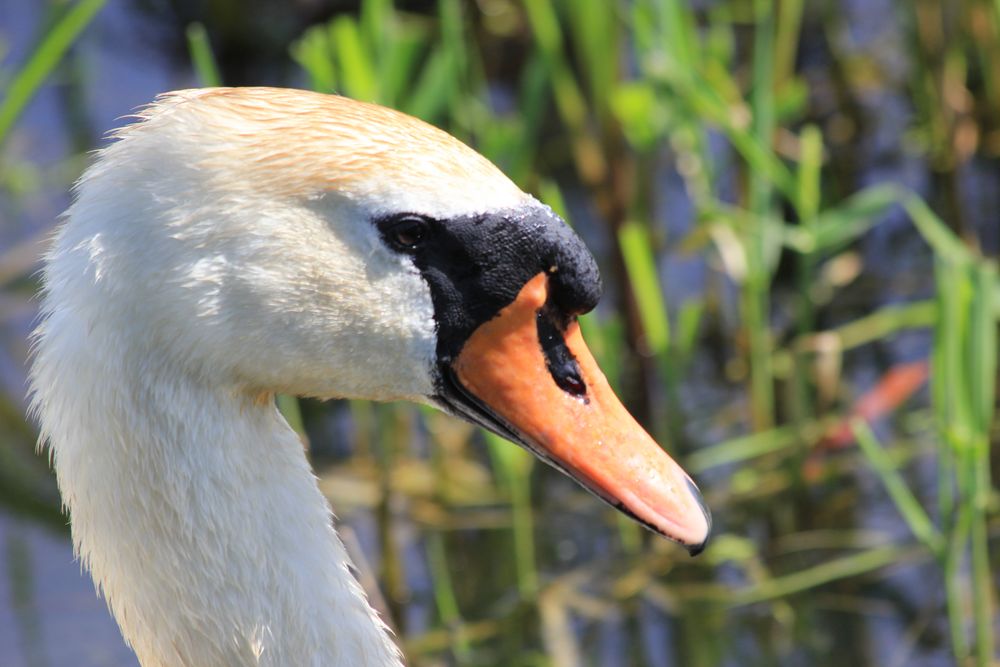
[{"x": 182, "y": 286}]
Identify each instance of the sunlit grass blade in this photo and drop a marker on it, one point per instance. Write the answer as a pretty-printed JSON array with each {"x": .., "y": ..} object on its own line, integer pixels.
[
  {"x": 934, "y": 230},
  {"x": 44, "y": 59},
  {"x": 430, "y": 94},
  {"x": 453, "y": 41},
  {"x": 810, "y": 174},
  {"x": 677, "y": 29},
  {"x": 843, "y": 223},
  {"x": 376, "y": 31},
  {"x": 884, "y": 322},
  {"x": 786, "y": 41},
  {"x": 907, "y": 504},
  {"x": 444, "y": 593},
  {"x": 515, "y": 466},
  {"x": 356, "y": 68},
  {"x": 292, "y": 412},
  {"x": 594, "y": 35},
  {"x": 983, "y": 348},
  {"x": 313, "y": 53},
  {"x": 689, "y": 319},
  {"x": 983, "y": 344},
  {"x": 762, "y": 105},
  {"x": 763, "y": 241},
  {"x": 743, "y": 449},
  {"x": 403, "y": 57},
  {"x": 641, "y": 266},
  {"x": 809, "y": 199},
  {"x": 570, "y": 101},
  {"x": 835, "y": 569},
  {"x": 963, "y": 389},
  {"x": 202, "y": 58},
  {"x": 702, "y": 100}
]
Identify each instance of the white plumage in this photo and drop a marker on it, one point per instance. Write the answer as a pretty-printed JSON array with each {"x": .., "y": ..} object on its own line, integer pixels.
[
  {"x": 219, "y": 251},
  {"x": 186, "y": 285}
]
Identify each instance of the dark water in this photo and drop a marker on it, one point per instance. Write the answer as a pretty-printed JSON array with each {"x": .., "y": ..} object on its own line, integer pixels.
[{"x": 50, "y": 615}]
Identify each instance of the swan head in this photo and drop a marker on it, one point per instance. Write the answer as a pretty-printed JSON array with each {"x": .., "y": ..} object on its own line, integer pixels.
[{"x": 285, "y": 241}]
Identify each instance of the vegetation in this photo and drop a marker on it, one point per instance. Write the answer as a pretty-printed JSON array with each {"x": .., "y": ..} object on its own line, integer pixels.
[{"x": 730, "y": 138}]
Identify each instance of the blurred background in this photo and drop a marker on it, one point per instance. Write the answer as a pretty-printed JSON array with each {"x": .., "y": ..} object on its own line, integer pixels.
[{"x": 796, "y": 208}]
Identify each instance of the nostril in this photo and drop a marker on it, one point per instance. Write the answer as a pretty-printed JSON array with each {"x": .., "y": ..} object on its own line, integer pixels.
[
  {"x": 574, "y": 279},
  {"x": 571, "y": 383},
  {"x": 559, "y": 360},
  {"x": 575, "y": 285}
]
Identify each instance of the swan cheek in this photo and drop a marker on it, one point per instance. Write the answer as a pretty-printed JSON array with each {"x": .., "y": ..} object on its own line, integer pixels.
[{"x": 561, "y": 407}]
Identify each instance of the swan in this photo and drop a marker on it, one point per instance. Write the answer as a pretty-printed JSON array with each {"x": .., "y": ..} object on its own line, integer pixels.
[{"x": 230, "y": 244}]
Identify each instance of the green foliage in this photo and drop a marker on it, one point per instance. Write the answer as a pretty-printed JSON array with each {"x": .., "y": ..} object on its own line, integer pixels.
[
  {"x": 201, "y": 56},
  {"x": 685, "y": 88},
  {"x": 46, "y": 56}
]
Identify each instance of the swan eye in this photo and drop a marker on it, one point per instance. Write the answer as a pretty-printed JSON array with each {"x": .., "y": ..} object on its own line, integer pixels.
[{"x": 407, "y": 233}]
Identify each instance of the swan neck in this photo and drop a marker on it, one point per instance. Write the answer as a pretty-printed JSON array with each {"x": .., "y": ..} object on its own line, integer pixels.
[{"x": 197, "y": 512}]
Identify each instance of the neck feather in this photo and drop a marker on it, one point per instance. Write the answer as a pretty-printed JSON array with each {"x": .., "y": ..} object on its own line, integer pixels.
[{"x": 195, "y": 510}]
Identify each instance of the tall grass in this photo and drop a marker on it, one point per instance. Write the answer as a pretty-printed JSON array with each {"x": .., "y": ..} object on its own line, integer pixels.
[
  {"x": 50, "y": 50},
  {"x": 685, "y": 90},
  {"x": 590, "y": 106}
]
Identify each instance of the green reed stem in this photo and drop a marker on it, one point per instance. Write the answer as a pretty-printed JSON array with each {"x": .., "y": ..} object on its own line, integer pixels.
[
  {"x": 801, "y": 405},
  {"x": 46, "y": 56},
  {"x": 907, "y": 504},
  {"x": 202, "y": 57},
  {"x": 444, "y": 594},
  {"x": 760, "y": 244},
  {"x": 640, "y": 265},
  {"x": 744, "y": 448},
  {"x": 292, "y": 412},
  {"x": 515, "y": 466},
  {"x": 983, "y": 372},
  {"x": 787, "y": 40},
  {"x": 637, "y": 251},
  {"x": 809, "y": 175},
  {"x": 813, "y": 577},
  {"x": 963, "y": 388}
]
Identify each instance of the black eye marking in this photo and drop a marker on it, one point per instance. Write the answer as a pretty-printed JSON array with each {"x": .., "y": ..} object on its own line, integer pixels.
[
  {"x": 558, "y": 359},
  {"x": 406, "y": 232},
  {"x": 476, "y": 264}
]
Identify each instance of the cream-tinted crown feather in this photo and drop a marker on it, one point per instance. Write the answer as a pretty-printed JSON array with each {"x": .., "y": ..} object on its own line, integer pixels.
[{"x": 294, "y": 143}]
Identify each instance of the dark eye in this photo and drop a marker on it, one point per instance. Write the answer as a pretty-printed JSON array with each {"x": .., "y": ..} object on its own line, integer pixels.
[{"x": 407, "y": 233}]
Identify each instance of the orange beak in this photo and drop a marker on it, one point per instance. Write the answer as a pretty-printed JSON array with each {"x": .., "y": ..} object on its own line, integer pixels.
[{"x": 587, "y": 433}]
